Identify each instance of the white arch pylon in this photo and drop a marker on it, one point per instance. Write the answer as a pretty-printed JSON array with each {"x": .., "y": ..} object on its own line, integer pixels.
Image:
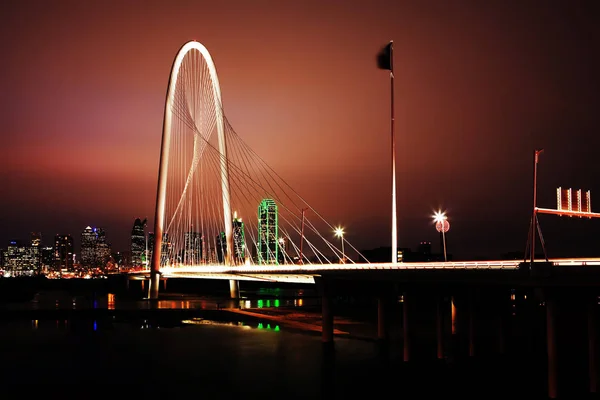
[{"x": 159, "y": 213}]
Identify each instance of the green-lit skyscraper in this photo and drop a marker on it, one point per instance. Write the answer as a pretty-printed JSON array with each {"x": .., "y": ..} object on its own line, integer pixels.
[{"x": 268, "y": 247}]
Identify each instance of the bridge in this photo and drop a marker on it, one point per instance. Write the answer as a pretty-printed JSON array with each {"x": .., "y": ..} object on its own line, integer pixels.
[
  {"x": 306, "y": 273},
  {"x": 223, "y": 213}
]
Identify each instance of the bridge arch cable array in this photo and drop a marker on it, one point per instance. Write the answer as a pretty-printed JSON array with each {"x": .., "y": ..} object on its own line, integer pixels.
[{"x": 267, "y": 213}]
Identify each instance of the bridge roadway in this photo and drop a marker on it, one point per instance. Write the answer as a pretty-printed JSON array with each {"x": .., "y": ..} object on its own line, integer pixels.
[{"x": 291, "y": 273}]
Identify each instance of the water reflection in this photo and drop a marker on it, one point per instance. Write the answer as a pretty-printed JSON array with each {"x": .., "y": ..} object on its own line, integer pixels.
[
  {"x": 61, "y": 300},
  {"x": 111, "y": 301},
  {"x": 268, "y": 327},
  {"x": 275, "y": 303}
]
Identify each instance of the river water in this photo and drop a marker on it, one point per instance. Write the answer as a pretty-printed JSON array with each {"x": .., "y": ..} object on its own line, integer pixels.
[{"x": 226, "y": 358}]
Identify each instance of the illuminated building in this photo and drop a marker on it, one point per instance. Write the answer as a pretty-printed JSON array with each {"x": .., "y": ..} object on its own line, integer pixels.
[
  {"x": 88, "y": 247},
  {"x": 35, "y": 248},
  {"x": 63, "y": 252},
  {"x": 102, "y": 248},
  {"x": 47, "y": 257},
  {"x": 95, "y": 252},
  {"x": 138, "y": 243},
  {"x": 192, "y": 252},
  {"x": 239, "y": 240},
  {"x": 20, "y": 259},
  {"x": 221, "y": 247},
  {"x": 164, "y": 254},
  {"x": 268, "y": 245}
]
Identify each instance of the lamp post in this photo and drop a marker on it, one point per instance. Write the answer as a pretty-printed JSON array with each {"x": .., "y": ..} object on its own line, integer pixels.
[
  {"x": 282, "y": 247},
  {"x": 339, "y": 232},
  {"x": 442, "y": 225}
]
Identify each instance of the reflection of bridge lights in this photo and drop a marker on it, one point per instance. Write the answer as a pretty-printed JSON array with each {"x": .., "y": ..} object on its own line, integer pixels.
[{"x": 268, "y": 327}]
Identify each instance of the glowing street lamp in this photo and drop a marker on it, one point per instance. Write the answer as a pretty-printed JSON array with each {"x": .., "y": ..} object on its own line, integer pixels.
[
  {"x": 282, "y": 247},
  {"x": 442, "y": 225},
  {"x": 339, "y": 232}
]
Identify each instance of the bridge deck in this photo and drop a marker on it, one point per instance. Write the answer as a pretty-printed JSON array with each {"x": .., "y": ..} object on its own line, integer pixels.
[{"x": 306, "y": 273}]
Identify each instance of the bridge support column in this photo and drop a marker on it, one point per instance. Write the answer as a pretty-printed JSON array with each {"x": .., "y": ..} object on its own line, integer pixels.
[
  {"x": 327, "y": 317},
  {"x": 234, "y": 289},
  {"x": 551, "y": 346},
  {"x": 500, "y": 329},
  {"x": 592, "y": 342},
  {"x": 453, "y": 314},
  {"x": 381, "y": 319},
  {"x": 440, "y": 327},
  {"x": 154, "y": 284},
  {"x": 406, "y": 325},
  {"x": 471, "y": 308}
]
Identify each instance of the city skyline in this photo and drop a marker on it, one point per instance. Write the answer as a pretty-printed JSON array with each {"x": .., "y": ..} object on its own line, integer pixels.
[{"x": 468, "y": 120}]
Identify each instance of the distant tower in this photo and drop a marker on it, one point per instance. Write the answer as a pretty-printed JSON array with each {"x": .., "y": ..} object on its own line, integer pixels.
[
  {"x": 102, "y": 248},
  {"x": 165, "y": 251},
  {"x": 221, "y": 246},
  {"x": 36, "y": 250},
  {"x": 138, "y": 242},
  {"x": 192, "y": 253},
  {"x": 239, "y": 240},
  {"x": 63, "y": 252},
  {"x": 268, "y": 245},
  {"x": 88, "y": 247}
]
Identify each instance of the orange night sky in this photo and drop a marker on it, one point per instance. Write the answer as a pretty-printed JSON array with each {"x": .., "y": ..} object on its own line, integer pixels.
[{"x": 479, "y": 85}]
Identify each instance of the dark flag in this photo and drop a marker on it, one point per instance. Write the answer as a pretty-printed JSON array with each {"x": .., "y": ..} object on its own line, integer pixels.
[{"x": 385, "y": 58}]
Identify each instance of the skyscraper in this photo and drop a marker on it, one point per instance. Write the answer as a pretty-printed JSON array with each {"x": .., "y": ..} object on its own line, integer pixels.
[
  {"x": 63, "y": 252},
  {"x": 95, "y": 252},
  {"x": 102, "y": 248},
  {"x": 267, "y": 232},
  {"x": 165, "y": 249},
  {"x": 138, "y": 242},
  {"x": 192, "y": 252},
  {"x": 36, "y": 250},
  {"x": 221, "y": 247},
  {"x": 239, "y": 240},
  {"x": 88, "y": 247}
]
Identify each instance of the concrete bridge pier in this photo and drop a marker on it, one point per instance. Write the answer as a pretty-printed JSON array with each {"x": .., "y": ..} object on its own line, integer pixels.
[
  {"x": 234, "y": 289},
  {"x": 381, "y": 318},
  {"x": 325, "y": 290},
  {"x": 472, "y": 308},
  {"x": 550, "y": 301},
  {"x": 406, "y": 328},
  {"x": 592, "y": 343},
  {"x": 439, "y": 322}
]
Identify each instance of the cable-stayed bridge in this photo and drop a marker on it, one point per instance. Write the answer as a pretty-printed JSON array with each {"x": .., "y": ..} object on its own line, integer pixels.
[
  {"x": 223, "y": 213},
  {"x": 218, "y": 202}
]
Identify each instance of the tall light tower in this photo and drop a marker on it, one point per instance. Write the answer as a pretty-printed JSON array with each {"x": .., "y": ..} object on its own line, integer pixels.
[
  {"x": 385, "y": 60},
  {"x": 442, "y": 225}
]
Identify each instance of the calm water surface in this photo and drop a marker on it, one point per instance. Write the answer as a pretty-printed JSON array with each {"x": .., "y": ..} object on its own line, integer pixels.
[{"x": 241, "y": 359}]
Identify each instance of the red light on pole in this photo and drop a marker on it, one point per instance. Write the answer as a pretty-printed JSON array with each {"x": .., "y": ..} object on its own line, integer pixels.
[{"x": 442, "y": 225}]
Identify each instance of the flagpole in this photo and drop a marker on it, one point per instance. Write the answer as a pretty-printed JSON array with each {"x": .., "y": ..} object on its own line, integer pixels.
[{"x": 394, "y": 220}]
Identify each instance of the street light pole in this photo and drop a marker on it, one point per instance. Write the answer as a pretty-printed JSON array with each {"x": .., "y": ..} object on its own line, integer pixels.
[
  {"x": 339, "y": 232},
  {"x": 533, "y": 214},
  {"x": 441, "y": 225},
  {"x": 444, "y": 243}
]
